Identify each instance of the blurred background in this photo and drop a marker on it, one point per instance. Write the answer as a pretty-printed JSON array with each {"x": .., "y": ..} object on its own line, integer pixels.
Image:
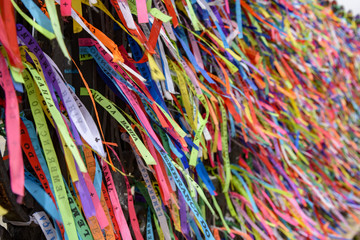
[{"x": 353, "y": 5}]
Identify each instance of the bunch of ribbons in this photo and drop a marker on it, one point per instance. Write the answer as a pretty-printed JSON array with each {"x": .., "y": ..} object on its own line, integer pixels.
[{"x": 242, "y": 118}]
